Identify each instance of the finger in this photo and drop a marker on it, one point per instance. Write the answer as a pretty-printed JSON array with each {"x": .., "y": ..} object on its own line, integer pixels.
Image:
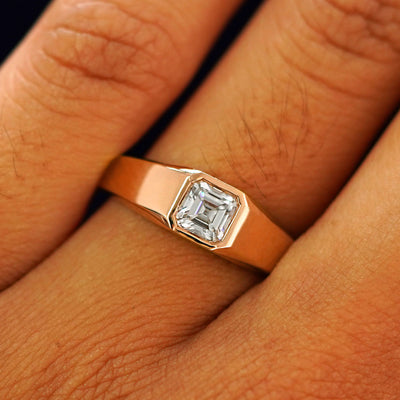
[
  {"x": 325, "y": 323},
  {"x": 290, "y": 123},
  {"x": 90, "y": 79},
  {"x": 161, "y": 291},
  {"x": 241, "y": 148}
]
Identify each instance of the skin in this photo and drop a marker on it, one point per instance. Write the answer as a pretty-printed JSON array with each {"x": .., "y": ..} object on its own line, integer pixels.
[{"x": 123, "y": 309}]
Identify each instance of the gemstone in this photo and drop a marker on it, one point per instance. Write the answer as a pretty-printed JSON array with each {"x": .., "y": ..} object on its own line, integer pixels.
[{"x": 207, "y": 211}]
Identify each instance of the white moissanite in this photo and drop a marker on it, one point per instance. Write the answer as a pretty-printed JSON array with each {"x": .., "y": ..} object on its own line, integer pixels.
[{"x": 207, "y": 211}]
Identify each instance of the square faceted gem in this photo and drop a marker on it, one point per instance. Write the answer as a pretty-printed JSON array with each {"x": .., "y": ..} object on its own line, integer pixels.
[{"x": 207, "y": 211}]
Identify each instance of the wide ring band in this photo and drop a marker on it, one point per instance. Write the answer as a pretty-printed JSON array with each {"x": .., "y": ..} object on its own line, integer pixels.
[{"x": 201, "y": 208}]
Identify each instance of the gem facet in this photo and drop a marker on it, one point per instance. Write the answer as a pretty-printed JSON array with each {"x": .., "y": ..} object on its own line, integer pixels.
[{"x": 207, "y": 211}]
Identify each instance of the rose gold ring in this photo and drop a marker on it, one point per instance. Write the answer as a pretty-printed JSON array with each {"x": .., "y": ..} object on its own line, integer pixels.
[{"x": 201, "y": 208}]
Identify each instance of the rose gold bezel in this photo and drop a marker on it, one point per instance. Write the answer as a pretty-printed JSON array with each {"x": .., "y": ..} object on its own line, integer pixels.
[{"x": 234, "y": 226}]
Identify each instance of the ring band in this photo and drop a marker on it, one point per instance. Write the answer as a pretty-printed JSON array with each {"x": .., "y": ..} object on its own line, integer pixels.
[{"x": 201, "y": 208}]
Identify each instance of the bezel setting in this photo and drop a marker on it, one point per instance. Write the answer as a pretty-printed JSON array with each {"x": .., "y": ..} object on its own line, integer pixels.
[
  {"x": 206, "y": 211},
  {"x": 226, "y": 236}
]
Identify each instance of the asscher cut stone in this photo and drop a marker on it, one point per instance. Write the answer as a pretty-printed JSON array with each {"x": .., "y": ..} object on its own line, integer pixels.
[{"x": 207, "y": 211}]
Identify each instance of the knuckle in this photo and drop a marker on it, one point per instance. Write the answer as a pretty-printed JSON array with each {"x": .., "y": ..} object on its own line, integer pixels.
[
  {"x": 268, "y": 145},
  {"x": 110, "y": 42},
  {"x": 367, "y": 28}
]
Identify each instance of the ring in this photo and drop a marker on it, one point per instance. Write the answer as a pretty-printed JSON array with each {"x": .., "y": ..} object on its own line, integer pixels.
[{"x": 201, "y": 208}]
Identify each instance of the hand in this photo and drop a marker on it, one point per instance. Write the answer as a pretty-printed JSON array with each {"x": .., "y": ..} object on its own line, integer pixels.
[{"x": 123, "y": 309}]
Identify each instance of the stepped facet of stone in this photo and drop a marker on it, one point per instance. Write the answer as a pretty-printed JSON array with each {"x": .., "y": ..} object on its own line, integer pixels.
[{"x": 207, "y": 211}]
